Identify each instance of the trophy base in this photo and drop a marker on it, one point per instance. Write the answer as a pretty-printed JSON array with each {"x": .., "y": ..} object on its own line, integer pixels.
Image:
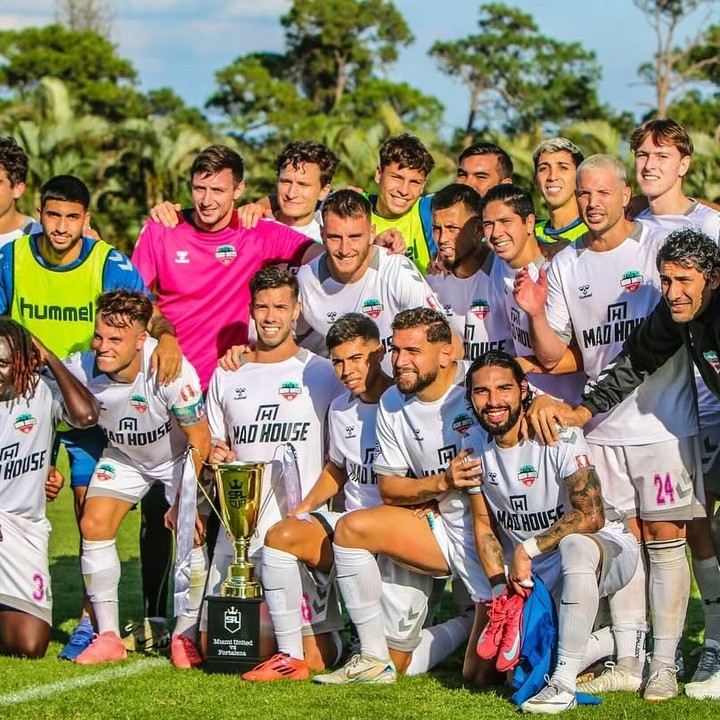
[{"x": 239, "y": 634}]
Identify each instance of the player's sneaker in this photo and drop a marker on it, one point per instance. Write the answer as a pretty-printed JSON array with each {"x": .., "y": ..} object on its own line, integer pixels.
[
  {"x": 509, "y": 651},
  {"x": 662, "y": 684},
  {"x": 614, "y": 679},
  {"x": 184, "y": 653},
  {"x": 552, "y": 699},
  {"x": 80, "y": 639},
  {"x": 360, "y": 669},
  {"x": 280, "y": 666},
  {"x": 709, "y": 663},
  {"x": 491, "y": 636},
  {"x": 707, "y": 689},
  {"x": 106, "y": 647},
  {"x": 151, "y": 634}
]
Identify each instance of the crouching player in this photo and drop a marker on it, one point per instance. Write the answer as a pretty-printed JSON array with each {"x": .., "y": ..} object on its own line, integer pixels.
[
  {"x": 30, "y": 407},
  {"x": 149, "y": 427},
  {"x": 546, "y": 506}
]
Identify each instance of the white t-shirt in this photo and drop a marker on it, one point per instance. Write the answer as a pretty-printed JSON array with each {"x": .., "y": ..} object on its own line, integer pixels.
[
  {"x": 142, "y": 419},
  {"x": 27, "y": 427},
  {"x": 311, "y": 230},
  {"x": 260, "y": 406},
  {"x": 599, "y": 298},
  {"x": 353, "y": 442}
]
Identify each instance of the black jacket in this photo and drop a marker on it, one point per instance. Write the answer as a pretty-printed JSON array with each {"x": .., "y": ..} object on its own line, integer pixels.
[{"x": 650, "y": 346}]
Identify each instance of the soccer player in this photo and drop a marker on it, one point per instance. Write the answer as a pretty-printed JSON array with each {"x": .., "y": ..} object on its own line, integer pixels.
[
  {"x": 663, "y": 151},
  {"x": 30, "y": 405},
  {"x": 149, "y": 427},
  {"x": 424, "y": 523},
  {"x": 556, "y": 162},
  {"x": 484, "y": 165},
  {"x": 354, "y": 275},
  {"x": 579, "y": 555},
  {"x": 280, "y": 394},
  {"x": 49, "y": 282},
  {"x": 13, "y": 174},
  {"x": 645, "y": 450}
]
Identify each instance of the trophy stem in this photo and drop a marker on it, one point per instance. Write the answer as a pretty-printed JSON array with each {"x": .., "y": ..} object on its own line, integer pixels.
[{"x": 241, "y": 581}]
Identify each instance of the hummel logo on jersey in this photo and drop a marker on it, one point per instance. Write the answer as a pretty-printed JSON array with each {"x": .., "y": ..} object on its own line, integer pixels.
[
  {"x": 448, "y": 310},
  {"x": 631, "y": 280},
  {"x": 480, "y": 308},
  {"x": 331, "y": 317},
  {"x": 372, "y": 308},
  {"x": 711, "y": 357},
  {"x": 492, "y": 478},
  {"x": 139, "y": 402},
  {"x": 25, "y": 423},
  {"x": 584, "y": 291},
  {"x": 240, "y": 393},
  {"x": 104, "y": 472},
  {"x": 350, "y": 431},
  {"x": 225, "y": 254},
  {"x": 527, "y": 475},
  {"x": 181, "y": 257},
  {"x": 462, "y": 423},
  {"x": 290, "y": 390},
  {"x": 417, "y": 434}
]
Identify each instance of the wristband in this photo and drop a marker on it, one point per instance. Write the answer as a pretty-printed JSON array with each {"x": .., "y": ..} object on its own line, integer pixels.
[{"x": 531, "y": 547}]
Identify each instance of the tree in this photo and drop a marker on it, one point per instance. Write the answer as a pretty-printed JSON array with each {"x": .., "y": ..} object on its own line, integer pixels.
[
  {"x": 673, "y": 67},
  {"x": 515, "y": 75},
  {"x": 83, "y": 15}
]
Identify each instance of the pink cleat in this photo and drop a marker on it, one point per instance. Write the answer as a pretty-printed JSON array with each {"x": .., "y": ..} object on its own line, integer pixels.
[
  {"x": 106, "y": 647},
  {"x": 184, "y": 654}
]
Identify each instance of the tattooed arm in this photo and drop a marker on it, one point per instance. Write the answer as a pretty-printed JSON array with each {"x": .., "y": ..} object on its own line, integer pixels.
[
  {"x": 487, "y": 544},
  {"x": 587, "y": 516}
]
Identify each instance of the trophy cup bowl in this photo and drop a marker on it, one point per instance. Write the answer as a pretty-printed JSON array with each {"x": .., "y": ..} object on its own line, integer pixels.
[{"x": 239, "y": 488}]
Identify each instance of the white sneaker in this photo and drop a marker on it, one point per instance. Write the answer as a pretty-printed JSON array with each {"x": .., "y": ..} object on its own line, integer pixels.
[
  {"x": 552, "y": 699},
  {"x": 662, "y": 684},
  {"x": 614, "y": 679},
  {"x": 709, "y": 663},
  {"x": 360, "y": 669},
  {"x": 708, "y": 689}
]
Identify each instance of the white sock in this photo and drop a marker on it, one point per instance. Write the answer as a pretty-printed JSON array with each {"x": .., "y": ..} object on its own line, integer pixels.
[
  {"x": 100, "y": 567},
  {"x": 669, "y": 589},
  {"x": 628, "y": 608},
  {"x": 187, "y": 624},
  {"x": 439, "y": 641},
  {"x": 579, "y": 556},
  {"x": 358, "y": 578},
  {"x": 707, "y": 576},
  {"x": 600, "y": 645},
  {"x": 283, "y": 593}
]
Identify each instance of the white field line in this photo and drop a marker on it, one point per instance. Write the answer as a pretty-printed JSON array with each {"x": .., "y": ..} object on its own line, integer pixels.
[{"x": 74, "y": 683}]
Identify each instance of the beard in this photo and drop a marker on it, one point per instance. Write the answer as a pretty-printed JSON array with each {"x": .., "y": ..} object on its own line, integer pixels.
[
  {"x": 419, "y": 383},
  {"x": 499, "y": 430}
]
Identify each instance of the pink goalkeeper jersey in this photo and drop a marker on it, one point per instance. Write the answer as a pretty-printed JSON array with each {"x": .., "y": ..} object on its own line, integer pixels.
[{"x": 202, "y": 280}]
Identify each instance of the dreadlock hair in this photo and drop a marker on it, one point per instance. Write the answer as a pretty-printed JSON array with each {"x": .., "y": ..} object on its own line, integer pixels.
[{"x": 24, "y": 355}]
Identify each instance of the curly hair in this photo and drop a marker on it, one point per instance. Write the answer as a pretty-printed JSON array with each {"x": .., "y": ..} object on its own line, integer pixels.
[{"x": 24, "y": 355}]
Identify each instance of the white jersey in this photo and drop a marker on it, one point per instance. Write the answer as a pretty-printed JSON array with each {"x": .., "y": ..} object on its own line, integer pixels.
[
  {"x": 567, "y": 387},
  {"x": 390, "y": 284},
  {"x": 26, "y": 436},
  {"x": 474, "y": 310},
  {"x": 599, "y": 298},
  {"x": 417, "y": 439},
  {"x": 260, "y": 406},
  {"x": 311, "y": 230},
  {"x": 708, "y": 220},
  {"x": 353, "y": 441},
  {"x": 142, "y": 419}
]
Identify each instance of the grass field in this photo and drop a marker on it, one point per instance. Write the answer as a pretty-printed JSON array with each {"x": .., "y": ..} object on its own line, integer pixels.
[{"x": 148, "y": 687}]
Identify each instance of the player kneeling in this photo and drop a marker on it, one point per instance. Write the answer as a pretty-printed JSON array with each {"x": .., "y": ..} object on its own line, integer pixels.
[
  {"x": 30, "y": 407},
  {"x": 579, "y": 555}
]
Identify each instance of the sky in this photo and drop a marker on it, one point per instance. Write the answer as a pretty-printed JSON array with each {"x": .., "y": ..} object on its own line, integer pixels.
[{"x": 181, "y": 43}]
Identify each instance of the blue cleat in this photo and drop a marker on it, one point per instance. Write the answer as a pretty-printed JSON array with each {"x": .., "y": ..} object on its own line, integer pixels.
[{"x": 80, "y": 639}]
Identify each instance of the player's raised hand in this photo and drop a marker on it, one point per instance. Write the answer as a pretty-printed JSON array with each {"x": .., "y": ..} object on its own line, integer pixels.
[
  {"x": 251, "y": 213},
  {"x": 393, "y": 240},
  {"x": 464, "y": 472},
  {"x": 166, "y": 213},
  {"x": 53, "y": 484},
  {"x": 166, "y": 359},
  {"x": 220, "y": 453},
  {"x": 528, "y": 294},
  {"x": 231, "y": 359}
]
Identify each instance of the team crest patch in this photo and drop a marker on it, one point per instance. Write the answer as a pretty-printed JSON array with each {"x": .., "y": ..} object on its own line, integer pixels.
[
  {"x": 372, "y": 308},
  {"x": 139, "y": 403},
  {"x": 527, "y": 475},
  {"x": 582, "y": 461},
  {"x": 290, "y": 390},
  {"x": 225, "y": 254},
  {"x": 711, "y": 357},
  {"x": 480, "y": 308},
  {"x": 462, "y": 423},
  {"x": 187, "y": 393},
  {"x": 631, "y": 280},
  {"x": 25, "y": 423},
  {"x": 105, "y": 472}
]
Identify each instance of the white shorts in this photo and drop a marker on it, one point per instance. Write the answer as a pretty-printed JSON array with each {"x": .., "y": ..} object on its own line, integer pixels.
[
  {"x": 24, "y": 570},
  {"x": 463, "y": 561},
  {"x": 710, "y": 454},
  {"x": 659, "y": 481},
  {"x": 116, "y": 479}
]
